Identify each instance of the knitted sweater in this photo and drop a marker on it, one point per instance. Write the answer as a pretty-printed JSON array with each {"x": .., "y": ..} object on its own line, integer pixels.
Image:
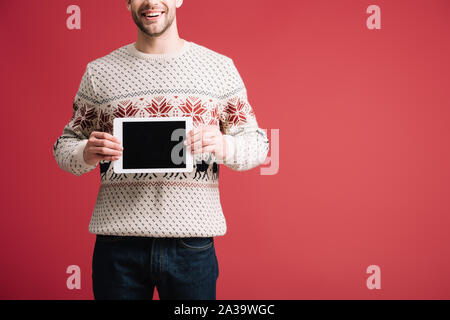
[{"x": 193, "y": 82}]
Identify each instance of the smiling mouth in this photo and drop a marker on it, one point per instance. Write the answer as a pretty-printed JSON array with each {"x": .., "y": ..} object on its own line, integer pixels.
[{"x": 152, "y": 15}]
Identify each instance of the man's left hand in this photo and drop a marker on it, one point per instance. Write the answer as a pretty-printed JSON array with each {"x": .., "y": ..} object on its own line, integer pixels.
[{"x": 206, "y": 138}]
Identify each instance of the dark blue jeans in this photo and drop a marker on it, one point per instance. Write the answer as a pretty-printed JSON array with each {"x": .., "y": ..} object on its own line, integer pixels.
[{"x": 125, "y": 267}]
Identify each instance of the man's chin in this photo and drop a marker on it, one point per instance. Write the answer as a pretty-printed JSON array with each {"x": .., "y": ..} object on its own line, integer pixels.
[
  {"x": 153, "y": 29},
  {"x": 152, "y": 33}
]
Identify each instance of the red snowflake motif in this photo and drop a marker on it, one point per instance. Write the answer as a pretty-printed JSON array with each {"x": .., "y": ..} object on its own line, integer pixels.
[
  {"x": 125, "y": 109},
  {"x": 75, "y": 109},
  {"x": 236, "y": 113},
  {"x": 159, "y": 107},
  {"x": 85, "y": 117},
  {"x": 193, "y": 109},
  {"x": 104, "y": 122},
  {"x": 214, "y": 116}
]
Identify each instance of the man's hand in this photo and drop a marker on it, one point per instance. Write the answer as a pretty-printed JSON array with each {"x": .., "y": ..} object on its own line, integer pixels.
[
  {"x": 102, "y": 146},
  {"x": 207, "y": 139}
]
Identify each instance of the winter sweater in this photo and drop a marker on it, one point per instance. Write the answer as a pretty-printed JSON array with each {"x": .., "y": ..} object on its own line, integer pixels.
[{"x": 193, "y": 82}]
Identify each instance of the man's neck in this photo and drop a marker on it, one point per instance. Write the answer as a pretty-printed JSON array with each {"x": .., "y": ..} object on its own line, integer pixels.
[{"x": 163, "y": 44}]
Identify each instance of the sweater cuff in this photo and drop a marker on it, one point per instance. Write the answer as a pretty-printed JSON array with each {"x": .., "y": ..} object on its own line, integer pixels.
[
  {"x": 230, "y": 148},
  {"x": 78, "y": 155}
]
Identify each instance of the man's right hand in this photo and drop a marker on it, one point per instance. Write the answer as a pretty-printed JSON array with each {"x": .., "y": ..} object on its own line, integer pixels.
[{"x": 102, "y": 146}]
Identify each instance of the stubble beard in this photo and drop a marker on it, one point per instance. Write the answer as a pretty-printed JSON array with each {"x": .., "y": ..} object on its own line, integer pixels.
[{"x": 138, "y": 20}]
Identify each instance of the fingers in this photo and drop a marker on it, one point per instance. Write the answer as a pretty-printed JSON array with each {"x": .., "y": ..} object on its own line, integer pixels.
[
  {"x": 196, "y": 132},
  {"x": 104, "y": 151},
  {"x": 108, "y": 158},
  {"x": 196, "y": 146},
  {"x": 105, "y": 135},
  {"x": 104, "y": 146},
  {"x": 105, "y": 143},
  {"x": 204, "y": 133},
  {"x": 202, "y": 139},
  {"x": 201, "y": 146}
]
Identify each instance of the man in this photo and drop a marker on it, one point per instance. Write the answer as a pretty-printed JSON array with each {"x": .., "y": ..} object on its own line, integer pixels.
[{"x": 158, "y": 229}]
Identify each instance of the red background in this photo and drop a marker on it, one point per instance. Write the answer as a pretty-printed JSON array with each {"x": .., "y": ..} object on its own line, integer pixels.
[{"x": 364, "y": 146}]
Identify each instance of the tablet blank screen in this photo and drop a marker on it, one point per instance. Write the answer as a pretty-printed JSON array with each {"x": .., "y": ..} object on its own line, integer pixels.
[{"x": 148, "y": 145}]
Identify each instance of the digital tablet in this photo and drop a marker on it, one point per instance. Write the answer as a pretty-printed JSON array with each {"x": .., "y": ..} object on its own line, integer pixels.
[{"x": 153, "y": 144}]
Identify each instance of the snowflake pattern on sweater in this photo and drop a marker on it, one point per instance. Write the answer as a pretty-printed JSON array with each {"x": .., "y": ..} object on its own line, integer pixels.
[{"x": 195, "y": 82}]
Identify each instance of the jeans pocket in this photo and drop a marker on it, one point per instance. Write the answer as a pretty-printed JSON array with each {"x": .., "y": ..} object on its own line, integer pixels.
[{"x": 196, "y": 243}]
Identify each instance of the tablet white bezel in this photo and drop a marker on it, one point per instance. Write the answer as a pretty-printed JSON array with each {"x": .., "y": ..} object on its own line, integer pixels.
[{"x": 118, "y": 129}]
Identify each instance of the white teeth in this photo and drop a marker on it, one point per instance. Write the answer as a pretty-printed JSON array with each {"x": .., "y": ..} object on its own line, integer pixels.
[{"x": 154, "y": 14}]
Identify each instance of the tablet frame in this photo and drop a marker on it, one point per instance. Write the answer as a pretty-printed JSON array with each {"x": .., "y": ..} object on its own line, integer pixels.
[{"x": 118, "y": 132}]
